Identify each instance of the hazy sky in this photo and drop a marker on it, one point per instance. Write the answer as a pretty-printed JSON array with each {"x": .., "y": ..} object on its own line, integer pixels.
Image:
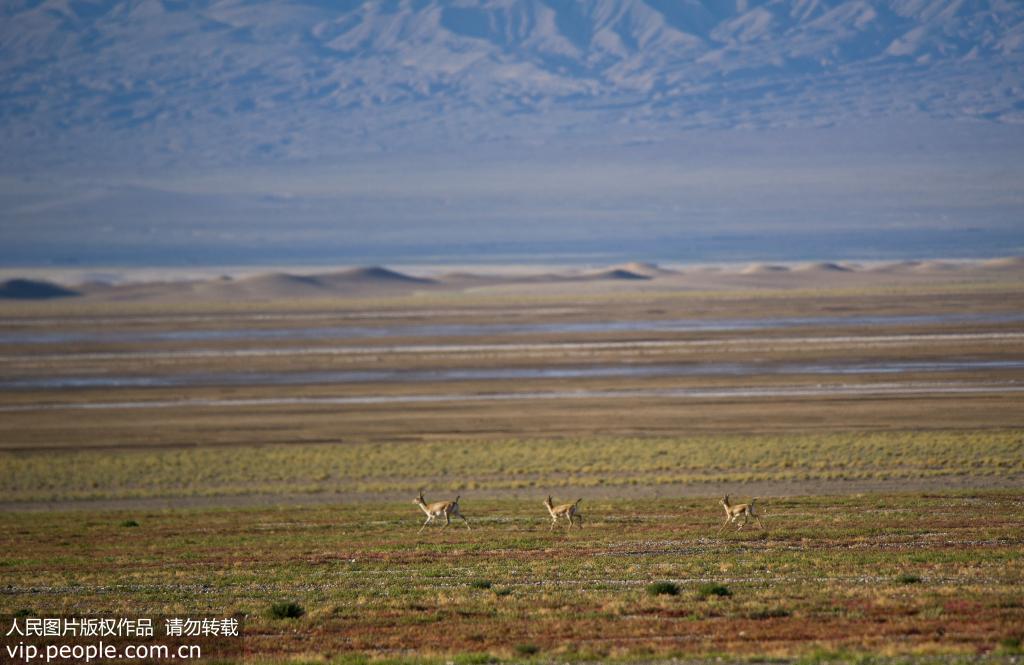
[{"x": 229, "y": 132}]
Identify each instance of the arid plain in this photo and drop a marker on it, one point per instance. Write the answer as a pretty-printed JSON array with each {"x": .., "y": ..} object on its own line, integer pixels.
[{"x": 263, "y": 438}]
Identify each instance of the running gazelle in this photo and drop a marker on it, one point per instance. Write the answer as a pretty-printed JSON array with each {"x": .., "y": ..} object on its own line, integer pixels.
[
  {"x": 439, "y": 509},
  {"x": 569, "y": 511},
  {"x": 733, "y": 513}
]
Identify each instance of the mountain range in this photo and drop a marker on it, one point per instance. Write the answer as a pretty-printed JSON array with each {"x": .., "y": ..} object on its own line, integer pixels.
[
  {"x": 213, "y": 130},
  {"x": 229, "y": 81}
]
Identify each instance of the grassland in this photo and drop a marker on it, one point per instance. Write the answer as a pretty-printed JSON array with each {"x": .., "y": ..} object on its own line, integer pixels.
[
  {"x": 893, "y": 505},
  {"x": 513, "y": 464},
  {"x": 831, "y": 578}
]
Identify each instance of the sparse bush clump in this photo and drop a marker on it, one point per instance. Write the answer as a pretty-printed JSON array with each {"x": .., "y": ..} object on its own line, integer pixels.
[
  {"x": 129, "y": 523},
  {"x": 713, "y": 589},
  {"x": 1010, "y": 646},
  {"x": 286, "y": 611},
  {"x": 473, "y": 659},
  {"x": 821, "y": 656},
  {"x": 773, "y": 613},
  {"x": 663, "y": 589},
  {"x": 480, "y": 584},
  {"x": 527, "y": 649},
  {"x": 908, "y": 578}
]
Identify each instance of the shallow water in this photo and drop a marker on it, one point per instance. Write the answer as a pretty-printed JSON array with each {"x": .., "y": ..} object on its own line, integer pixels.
[
  {"x": 496, "y": 329},
  {"x": 683, "y": 394},
  {"x": 865, "y": 341},
  {"x": 497, "y": 374}
]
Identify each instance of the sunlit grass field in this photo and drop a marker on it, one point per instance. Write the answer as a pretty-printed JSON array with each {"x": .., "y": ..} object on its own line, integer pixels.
[
  {"x": 300, "y": 516},
  {"x": 453, "y": 465},
  {"x": 830, "y": 578}
]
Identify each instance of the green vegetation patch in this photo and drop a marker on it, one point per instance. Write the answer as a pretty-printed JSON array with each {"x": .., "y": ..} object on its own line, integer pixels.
[
  {"x": 663, "y": 589},
  {"x": 509, "y": 464},
  {"x": 713, "y": 589},
  {"x": 286, "y": 610}
]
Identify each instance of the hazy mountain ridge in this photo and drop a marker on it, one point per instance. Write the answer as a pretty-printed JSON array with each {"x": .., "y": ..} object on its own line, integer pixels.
[{"x": 225, "y": 81}]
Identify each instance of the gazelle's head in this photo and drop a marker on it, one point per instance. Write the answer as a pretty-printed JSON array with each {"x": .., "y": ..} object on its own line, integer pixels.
[
  {"x": 725, "y": 501},
  {"x": 419, "y": 501},
  {"x": 548, "y": 502}
]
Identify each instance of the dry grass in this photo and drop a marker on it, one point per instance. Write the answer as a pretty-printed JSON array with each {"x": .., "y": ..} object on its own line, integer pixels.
[
  {"x": 826, "y": 577},
  {"x": 829, "y": 580}
]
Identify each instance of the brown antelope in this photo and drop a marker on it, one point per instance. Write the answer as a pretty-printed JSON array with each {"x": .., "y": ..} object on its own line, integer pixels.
[
  {"x": 439, "y": 508},
  {"x": 733, "y": 513},
  {"x": 569, "y": 511}
]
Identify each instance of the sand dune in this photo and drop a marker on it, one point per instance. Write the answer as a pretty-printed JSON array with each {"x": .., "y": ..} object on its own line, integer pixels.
[
  {"x": 930, "y": 267},
  {"x": 763, "y": 269},
  {"x": 472, "y": 279},
  {"x": 822, "y": 268},
  {"x": 1005, "y": 263},
  {"x": 895, "y": 268},
  {"x": 273, "y": 280},
  {"x": 644, "y": 269},
  {"x": 272, "y": 285},
  {"x": 374, "y": 281},
  {"x": 464, "y": 277},
  {"x": 369, "y": 281},
  {"x": 615, "y": 273},
  {"x": 371, "y": 274}
]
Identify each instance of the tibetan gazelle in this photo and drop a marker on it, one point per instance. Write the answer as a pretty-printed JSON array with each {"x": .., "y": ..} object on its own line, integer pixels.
[
  {"x": 569, "y": 511},
  {"x": 733, "y": 513},
  {"x": 438, "y": 509}
]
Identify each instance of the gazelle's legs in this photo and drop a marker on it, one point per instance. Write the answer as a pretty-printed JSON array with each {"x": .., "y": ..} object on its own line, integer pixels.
[
  {"x": 429, "y": 517},
  {"x": 464, "y": 520}
]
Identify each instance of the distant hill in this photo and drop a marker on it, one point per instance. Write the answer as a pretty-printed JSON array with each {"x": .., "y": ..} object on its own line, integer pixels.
[
  {"x": 30, "y": 289},
  {"x": 617, "y": 273},
  {"x": 371, "y": 274}
]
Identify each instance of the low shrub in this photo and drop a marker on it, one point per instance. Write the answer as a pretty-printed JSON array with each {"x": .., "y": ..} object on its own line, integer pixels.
[
  {"x": 713, "y": 589},
  {"x": 663, "y": 589},
  {"x": 286, "y": 611},
  {"x": 527, "y": 649}
]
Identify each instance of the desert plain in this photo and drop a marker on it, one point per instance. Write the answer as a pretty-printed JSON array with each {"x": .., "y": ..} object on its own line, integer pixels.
[{"x": 234, "y": 444}]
